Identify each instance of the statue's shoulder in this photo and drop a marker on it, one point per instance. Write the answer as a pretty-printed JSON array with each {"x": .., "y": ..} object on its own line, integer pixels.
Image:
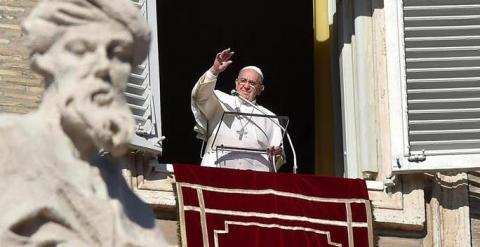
[
  {"x": 19, "y": 126},
  {"x": 9, "y": 119},
  {"x": 12, "y": 123}
]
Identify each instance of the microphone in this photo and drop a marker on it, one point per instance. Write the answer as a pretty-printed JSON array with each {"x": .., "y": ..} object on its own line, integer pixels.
[{"x": 234, "y": 92}]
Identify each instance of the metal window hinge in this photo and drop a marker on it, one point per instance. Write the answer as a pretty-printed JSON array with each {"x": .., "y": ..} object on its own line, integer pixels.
[
  {"x": 417, "y": 156},
  {"x": 145, "y": 129},
  {"x": 389, "y": 181}
]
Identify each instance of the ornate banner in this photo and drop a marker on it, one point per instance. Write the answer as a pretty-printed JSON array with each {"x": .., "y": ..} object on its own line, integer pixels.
[{"x": 226, "y": 207}]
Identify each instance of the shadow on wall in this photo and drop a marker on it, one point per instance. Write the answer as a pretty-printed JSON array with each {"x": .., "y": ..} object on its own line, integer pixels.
[{"x": 474, "y": 194}]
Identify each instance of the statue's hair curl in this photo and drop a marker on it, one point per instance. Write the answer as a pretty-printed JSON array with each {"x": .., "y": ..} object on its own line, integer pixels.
[{"x": 50, "y": 18}]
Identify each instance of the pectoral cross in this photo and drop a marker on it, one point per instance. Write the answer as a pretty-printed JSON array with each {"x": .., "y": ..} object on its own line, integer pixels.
[{"x": 241, "y": 132}]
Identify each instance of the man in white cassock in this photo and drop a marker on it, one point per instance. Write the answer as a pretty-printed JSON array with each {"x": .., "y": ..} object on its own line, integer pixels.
[{"x": 240, "y": 131}]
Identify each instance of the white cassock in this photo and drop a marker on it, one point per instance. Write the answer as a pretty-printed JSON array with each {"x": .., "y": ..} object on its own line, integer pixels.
[{"x": 252, "y": 132}]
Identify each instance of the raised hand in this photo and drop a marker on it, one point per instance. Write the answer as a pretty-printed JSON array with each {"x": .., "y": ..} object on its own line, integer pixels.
[{"x": 221, "y": 61}]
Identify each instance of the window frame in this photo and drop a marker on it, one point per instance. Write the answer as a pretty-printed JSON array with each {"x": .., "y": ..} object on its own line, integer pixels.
[{"x": 402, "y": 161}]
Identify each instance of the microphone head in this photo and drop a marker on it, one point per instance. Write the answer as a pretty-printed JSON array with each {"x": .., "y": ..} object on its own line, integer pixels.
[{"x": 234, "y": 92}]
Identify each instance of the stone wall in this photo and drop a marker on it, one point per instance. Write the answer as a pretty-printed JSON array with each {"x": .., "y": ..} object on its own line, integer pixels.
[{"x": 20, "y": 88}]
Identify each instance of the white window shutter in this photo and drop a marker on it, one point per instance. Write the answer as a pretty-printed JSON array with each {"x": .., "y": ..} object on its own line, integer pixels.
[
  {"x": 433, "y": 57},
  {"x": 143, "y": 90},
  {"x": 442, "y": 54}
]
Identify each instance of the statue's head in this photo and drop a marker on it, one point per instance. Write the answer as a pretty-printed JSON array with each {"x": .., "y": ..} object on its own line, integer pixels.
[{"x": 85, "y": 49}]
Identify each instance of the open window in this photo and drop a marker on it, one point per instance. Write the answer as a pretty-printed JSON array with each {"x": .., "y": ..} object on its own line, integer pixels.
[
  {"x": 433, "y": 60},
  {"x": 143, "y": 89}
]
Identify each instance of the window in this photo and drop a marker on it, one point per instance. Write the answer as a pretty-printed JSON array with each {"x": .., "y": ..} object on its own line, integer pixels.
[
  {"x": 143, "y": 89},
  {"x": 433, "y": 63}
]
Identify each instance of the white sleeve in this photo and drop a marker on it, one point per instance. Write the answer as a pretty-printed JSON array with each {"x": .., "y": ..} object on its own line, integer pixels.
[{"x": 210, "y": 76}]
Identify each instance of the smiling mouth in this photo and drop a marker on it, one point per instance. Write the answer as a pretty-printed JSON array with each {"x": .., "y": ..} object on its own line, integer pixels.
[{"x": 248, "y": 91}]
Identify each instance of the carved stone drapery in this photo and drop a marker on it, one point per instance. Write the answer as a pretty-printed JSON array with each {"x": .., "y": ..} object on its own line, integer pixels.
[{"x": 57, "y": 189}]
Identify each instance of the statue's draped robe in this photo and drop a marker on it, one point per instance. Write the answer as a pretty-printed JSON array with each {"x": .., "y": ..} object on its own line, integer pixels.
[{"x": 51, "y": 196}]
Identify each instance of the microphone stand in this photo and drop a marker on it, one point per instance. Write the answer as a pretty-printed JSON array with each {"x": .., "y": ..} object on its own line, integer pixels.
[{"x": 295, "y": 167}]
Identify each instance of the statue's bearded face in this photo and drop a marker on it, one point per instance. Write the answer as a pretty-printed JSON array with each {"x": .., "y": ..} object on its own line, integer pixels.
[{"x": 90, "y": 65}]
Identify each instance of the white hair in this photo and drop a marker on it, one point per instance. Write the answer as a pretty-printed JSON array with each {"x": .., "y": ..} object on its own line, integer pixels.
[{"x": 255, "y": 68}]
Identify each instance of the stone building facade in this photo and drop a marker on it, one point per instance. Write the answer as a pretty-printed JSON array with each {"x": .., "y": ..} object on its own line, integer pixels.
[
  {"x": 391, "y": 55},
  {"x": 415, "y": 209},
  {"x": 20, "y": 89}
]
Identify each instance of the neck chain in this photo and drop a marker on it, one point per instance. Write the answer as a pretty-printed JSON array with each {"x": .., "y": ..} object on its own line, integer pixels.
[{"x": 242, "y": 131}]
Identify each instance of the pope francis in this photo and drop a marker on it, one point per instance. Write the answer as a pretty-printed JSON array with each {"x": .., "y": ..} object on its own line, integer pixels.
[{"x": 248, "y": 134}]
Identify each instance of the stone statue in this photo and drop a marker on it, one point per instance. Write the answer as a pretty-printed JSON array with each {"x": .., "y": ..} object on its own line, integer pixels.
[{"x": 55, "y": 188}]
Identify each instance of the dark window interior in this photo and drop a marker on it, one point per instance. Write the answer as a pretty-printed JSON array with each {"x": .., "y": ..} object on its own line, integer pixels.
[{"x": 277, "y": 36}]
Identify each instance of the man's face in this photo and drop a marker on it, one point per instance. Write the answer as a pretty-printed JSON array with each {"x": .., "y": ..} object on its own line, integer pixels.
[
  {"x": 249, "y": 84},
  {"x": 90, "y": 65}
]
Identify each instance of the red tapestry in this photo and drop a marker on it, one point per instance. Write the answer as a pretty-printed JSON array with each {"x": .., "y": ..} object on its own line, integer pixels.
[{"x": 226, "y": 207}]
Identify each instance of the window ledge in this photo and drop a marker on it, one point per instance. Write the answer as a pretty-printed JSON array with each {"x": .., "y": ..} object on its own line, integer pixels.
[{"x": 402, "y": 207}]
